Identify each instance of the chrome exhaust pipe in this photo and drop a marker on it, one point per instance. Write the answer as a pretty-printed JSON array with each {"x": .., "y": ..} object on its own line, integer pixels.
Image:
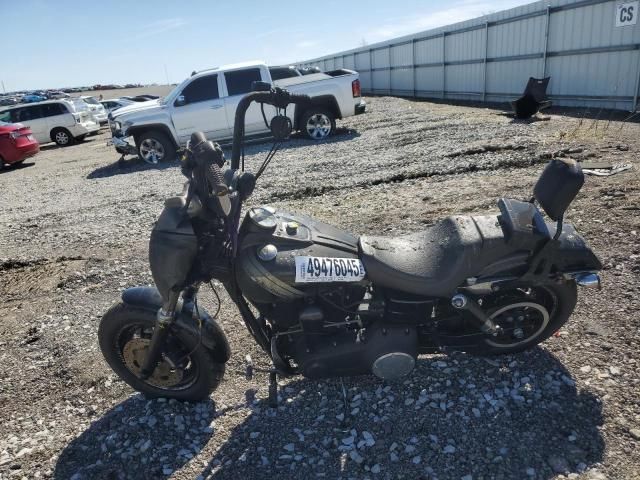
[{"x": 588, "y": 280}]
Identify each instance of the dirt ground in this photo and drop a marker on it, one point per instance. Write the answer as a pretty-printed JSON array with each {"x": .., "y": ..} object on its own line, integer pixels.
[{"x": 74, "y": 229}]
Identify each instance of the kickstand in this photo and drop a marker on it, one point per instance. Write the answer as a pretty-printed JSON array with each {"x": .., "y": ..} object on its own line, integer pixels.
[{"x": 273, "y": 388}]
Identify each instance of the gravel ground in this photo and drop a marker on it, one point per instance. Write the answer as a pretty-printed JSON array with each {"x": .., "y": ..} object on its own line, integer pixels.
[{"x": 74, "y": 229}]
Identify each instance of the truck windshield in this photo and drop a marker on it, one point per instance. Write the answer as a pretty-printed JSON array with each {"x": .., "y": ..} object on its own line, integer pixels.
[{"x": 171, "y": 94}]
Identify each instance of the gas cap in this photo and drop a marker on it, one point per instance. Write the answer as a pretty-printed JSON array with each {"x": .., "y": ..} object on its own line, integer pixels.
[
  {"x": 291, "y": 227},
  {"x": 267, "y": 253}
]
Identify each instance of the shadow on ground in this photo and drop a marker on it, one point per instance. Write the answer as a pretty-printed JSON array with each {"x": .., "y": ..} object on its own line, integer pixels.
[
  {"x": 76, "y": 143},
  {"x": 253, "y": 147},
  {"x": 126, "y": 166},
  {"x": 15, "y": 168},
  {"x": 124, "y": 443},
  {"x": 552, "y": 428}
]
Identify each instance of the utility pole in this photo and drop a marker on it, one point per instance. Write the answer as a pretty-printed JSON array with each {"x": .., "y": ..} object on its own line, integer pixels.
[{"x": 4, "y": 90}]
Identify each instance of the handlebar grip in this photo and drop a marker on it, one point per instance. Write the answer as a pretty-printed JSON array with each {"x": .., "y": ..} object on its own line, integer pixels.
[{"x": 215, "y": 179}]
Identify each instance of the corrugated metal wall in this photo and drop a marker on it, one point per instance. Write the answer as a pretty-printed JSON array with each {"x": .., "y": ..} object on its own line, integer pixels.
[{"x": 591, "y": 61}]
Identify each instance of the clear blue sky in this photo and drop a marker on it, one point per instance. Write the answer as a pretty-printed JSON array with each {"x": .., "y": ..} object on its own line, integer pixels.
[{"x": 51, "y": 44}]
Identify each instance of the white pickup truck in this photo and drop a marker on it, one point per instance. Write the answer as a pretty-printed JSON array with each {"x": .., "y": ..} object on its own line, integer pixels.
[{"x": 207, "y": 102}]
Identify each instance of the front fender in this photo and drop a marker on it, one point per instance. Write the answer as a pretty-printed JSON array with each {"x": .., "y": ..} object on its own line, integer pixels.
[{"x": 213, "y": 337}]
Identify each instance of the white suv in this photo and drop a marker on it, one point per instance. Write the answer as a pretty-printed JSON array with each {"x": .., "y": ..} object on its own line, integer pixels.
[
  {"x": 53, "y": 121},
  {"x": 96, "y": 108}
]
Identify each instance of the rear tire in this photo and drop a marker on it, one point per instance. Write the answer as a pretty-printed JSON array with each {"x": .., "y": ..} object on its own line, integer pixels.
[
  {"x": 558, "y": 300},
  {"x": 155, "y": 147},
  {"x": 204, "y": 374},
  {"x": 62, "y": 137},
  {"x": 317, "y": 123}
]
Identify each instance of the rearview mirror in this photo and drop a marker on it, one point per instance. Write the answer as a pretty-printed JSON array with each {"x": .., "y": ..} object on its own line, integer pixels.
[
  {"x": 180, "y": 101},
  {"x": 260, "y": 86}
]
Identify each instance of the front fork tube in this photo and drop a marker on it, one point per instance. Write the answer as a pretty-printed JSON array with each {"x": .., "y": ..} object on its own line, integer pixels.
[{"x": 165, "y": 318}]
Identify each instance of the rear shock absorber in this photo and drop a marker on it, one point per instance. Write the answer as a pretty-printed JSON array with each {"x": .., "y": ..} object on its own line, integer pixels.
[{"x": 486, "y": 325}]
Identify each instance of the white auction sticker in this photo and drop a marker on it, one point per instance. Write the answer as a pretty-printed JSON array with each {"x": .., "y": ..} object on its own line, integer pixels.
[{"x": 326, "y": 269}]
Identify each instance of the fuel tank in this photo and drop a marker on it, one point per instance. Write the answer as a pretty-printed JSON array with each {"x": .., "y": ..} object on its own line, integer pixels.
[
  {"x": 172, "y": 249},
  {"x": 270, "y": 240}
]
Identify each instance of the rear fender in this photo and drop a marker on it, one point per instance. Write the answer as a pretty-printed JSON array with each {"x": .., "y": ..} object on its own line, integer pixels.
[
  {"x": 328, "y": 102},
  {"x": 569, "y": 256},
  {"x": 213, "y": 337},
  {"x": 574, "y": 254}
]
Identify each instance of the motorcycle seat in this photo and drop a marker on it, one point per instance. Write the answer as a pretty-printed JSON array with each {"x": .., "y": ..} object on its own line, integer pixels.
[{"x": 436, "y": 261}]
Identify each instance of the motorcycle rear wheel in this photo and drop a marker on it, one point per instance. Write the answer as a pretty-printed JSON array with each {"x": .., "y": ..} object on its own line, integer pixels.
[
  {"x": 187, "y": 370},
  {"x": 538, "y": 312}
]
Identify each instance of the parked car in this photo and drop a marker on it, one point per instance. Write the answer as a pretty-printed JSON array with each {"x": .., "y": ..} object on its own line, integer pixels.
[
  {"x": 54, "y": 94},
  {"x": 141, "y": 98},
  {"x": 309, "y": 70},
  {"x": 4, "y": 101},
  {"x": 278, "y": 73},
  {"x": 33, "y": 98},
  {"x": 59, "y": 121},
  {"x": 207, "y": 102},
  {"x": 115, "y": 103},
  {"x": 96, "y": 108},
  {"x": 17, "y": 143}
]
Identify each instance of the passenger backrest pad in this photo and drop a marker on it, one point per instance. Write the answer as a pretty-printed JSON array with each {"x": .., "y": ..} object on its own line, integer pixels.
[
  {"x": 558, "y": 185},
  {"x": 522, "y": 223}
]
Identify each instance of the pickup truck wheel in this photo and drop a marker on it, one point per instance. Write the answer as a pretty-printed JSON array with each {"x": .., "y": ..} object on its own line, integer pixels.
[
  {"x": 317, "y": 123},
  {"x": 62, "y": 137},
  {"x": 154, "y": 147}
]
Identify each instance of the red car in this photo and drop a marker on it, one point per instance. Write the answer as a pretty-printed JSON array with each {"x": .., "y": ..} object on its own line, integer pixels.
[{"x": 16, "y": 143}]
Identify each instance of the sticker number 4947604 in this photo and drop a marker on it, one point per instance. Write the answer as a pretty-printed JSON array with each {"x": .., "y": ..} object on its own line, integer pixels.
[{"x": 326, "y": 269}]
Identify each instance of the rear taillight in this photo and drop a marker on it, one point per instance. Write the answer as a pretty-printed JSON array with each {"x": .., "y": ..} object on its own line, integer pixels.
[
  {"x": 15, "y": 134},
  {"x": 355, "y": 88}
]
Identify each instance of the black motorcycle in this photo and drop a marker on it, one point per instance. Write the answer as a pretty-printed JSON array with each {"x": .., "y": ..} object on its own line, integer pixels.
[{"x": 324, "y": 303}]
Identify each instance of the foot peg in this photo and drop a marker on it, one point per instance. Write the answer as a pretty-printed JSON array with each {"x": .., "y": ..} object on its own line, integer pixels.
[{"x": 486, "y": 325}]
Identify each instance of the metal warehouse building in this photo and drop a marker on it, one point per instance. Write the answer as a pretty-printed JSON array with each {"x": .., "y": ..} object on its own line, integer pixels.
[{"x": 589, "y": 48}]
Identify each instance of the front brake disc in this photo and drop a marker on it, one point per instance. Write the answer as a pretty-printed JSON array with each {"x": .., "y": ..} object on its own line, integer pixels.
[{"x": 165, "y": 375}]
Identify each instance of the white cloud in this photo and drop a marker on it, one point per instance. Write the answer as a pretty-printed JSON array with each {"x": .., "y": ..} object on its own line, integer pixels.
[
  {"x": 464, "y": 10},
  {"x": 306, "y": 44},
  {"x": 159, "y": 26},
  {"x": 269, "y": 33}
]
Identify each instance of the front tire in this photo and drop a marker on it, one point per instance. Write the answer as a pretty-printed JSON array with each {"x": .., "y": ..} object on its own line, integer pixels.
[
  {"x": 534, "y": 314},
  {"x": 187, "y": 370},
  {"x": 154, "y": 147}
]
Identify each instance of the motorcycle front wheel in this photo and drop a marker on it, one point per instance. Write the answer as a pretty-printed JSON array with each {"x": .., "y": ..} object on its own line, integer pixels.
[
  {"x": 186, "y": 371},
  {"x": 526, "y": 316}
]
